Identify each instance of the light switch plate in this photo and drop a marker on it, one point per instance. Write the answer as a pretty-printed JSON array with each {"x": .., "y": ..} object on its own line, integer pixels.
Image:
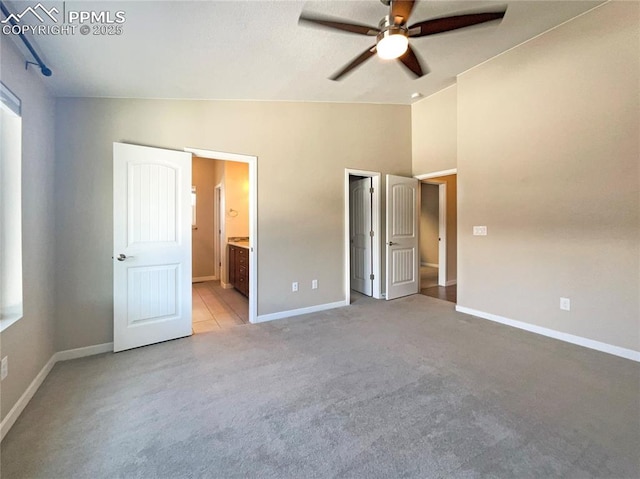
[
  {"x": 479, "y": 231},
  {"x": 565, "y": 304}
]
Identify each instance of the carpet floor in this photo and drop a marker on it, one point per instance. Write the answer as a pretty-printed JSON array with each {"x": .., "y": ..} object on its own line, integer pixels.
[{"x": 380, "y": 389}]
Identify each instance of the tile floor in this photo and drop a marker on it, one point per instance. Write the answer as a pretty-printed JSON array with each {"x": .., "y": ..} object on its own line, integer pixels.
[{"x": 216, "y": 308}]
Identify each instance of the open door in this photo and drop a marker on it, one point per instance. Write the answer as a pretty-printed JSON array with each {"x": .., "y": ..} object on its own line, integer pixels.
[
  {"x": 360, "y": 231},
  {"x": 152, "y": 245},
  {"x": 402, "y": 237}
]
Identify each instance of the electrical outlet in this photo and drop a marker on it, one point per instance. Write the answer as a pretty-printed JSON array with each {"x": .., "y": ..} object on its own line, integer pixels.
[
  {"x": 565, "y": 304},
  {"x": 4, "y": 367},
  {"x": 479, "y": 231},
  {"x": 314, "y": 284},
  {"x": 294, "y": 286}
]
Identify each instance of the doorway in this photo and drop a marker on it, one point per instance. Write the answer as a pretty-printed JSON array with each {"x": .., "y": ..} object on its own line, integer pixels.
[
  {"x": 229, "y": 208},
  {"x": 438, "y": 235},
  {"x": 433, "y": 244},
  {"x": 221, "y": 225},
  {"x": 362, "y": 234}
]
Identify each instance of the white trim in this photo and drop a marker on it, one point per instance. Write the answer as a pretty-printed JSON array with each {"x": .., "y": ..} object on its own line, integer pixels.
[
  {"x": 451, "y": 282},
  {"x": 253, "y": 219},
  {"x": 200, "y": 279},
  {"x": 552, "y": 333},
  {"x": 22, "y": 402},
  {"x": 218, "y": 219},
  {"x": 297, "y": 312},
  {"x": 8, "y": 320},
  {"x": 220, "y": 155},
  {"x": 19, "y": 406},
  {"x": 375, "y": 226},
  {"x": 426, "y": 176},
  {"x": 82, "y": 352},
  {"x": 442, "y": 234},
  {"x": 431, "y": 265},
  {"x": 226, "y": 285}
]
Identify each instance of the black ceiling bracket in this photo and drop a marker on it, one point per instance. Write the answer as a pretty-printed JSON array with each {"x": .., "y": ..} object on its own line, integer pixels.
[{"x": 38, "y": 61}]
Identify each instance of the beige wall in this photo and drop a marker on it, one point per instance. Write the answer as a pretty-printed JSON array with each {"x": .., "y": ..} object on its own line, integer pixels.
[
  {"x": 29, "y": 343},
  {"x": 434, "y": 132},
  {"x": 548, "y": 159},
  {"x": 302, "y": 150},
  {"x": 205, "y": 177},
  {"x": 236, "y": 192},
  {"x": 429, "y": 225}
]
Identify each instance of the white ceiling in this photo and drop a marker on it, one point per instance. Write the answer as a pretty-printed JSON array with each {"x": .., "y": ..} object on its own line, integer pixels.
[{"x": 255, "y": 50}]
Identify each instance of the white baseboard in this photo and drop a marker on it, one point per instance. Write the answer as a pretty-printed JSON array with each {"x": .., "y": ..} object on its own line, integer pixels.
[
  {"x": 225, "y": 285},
  {"x": 432, "y": 265},
  {"x": 297, "y": 312},
  {"x": 452, "y": 282},
  {"x": 200, "y": 279},
  {"x": 21, "y": 403},
  {"x": 82, "y": 352},
  {"x": 552, "y": 333}
]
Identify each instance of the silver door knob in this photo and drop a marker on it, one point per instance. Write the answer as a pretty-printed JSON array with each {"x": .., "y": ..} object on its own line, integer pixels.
[
  {"x": 391, "y": 243},
  {"x": 121, "y": 257}
]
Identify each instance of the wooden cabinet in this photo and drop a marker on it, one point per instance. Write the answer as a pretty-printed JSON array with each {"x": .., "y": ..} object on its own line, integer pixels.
[{"x": 239, "y": 268}]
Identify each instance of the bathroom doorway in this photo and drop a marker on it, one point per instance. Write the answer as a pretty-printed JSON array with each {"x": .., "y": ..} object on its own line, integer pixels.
[{"x": 223, "y": 220}]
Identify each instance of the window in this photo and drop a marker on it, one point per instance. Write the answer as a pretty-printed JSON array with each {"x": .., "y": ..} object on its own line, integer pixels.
[{"x": 10, "y": 208}]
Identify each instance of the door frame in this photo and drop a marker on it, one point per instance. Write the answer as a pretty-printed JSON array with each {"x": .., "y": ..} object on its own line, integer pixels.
[
  {"x": 376, "y": 267},
  {"x": 442, "y": 219},
  {"x": 253, "y": 217},
  {"x": 218, "y": 229}
]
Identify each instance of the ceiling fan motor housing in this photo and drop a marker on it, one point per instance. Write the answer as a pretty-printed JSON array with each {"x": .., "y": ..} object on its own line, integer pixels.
[{"x": 391, "y": 33}]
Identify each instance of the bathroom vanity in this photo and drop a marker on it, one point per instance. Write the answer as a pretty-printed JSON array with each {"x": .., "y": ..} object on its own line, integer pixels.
[{"x": 238, "y": 255}]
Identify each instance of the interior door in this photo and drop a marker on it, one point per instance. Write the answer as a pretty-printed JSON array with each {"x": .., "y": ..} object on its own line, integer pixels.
[
  {"x": 152, "y": 245},
  {"x": 402, "y": 237},
  {"x": 360, "y": 235}
]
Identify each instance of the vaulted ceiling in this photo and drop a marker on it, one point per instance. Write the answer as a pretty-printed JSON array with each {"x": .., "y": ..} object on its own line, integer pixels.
[{"x": 255, "y": 50}]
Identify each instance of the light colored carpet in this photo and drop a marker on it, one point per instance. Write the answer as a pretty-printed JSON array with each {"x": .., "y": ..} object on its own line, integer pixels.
[{"x": 404, "y": 388}]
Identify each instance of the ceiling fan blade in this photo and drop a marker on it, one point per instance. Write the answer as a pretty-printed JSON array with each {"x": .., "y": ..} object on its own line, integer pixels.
[
  {"x": 412, "y": 62},
  {"x": 446, "y": 24},
  {"x": 364, "y": 56},
  {"x": 402, "y": 9},
  {"x": 339, "y": 25}
]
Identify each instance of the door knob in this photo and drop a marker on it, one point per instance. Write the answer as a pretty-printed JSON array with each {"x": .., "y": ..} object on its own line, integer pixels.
[
  {"x": 121, "y": 257},
  {"x": 391, "y": 243}
]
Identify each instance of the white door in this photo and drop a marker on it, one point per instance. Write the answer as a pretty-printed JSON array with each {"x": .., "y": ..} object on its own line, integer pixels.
[
  {"x": 152, "y": 245},
  {"x": 360, "y": 235},
  {"x": 402, "y": 237}
]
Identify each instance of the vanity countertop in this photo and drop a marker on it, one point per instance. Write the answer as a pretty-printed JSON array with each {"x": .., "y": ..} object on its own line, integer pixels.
[{"x": 240, "y": 244}]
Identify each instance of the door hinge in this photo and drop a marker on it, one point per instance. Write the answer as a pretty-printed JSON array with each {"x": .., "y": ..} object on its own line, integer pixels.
[
  {"x": 371, "y": 190},
  {"x": 371, "y": 233},
  {"x": 371, "y": 276}
]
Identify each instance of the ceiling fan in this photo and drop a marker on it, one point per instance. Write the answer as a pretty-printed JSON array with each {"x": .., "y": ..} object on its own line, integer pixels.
[{"x": 393, "y": 33}]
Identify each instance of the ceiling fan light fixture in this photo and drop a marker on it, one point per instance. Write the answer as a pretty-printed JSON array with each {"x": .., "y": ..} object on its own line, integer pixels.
[{"x": 392, "y": 44}]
